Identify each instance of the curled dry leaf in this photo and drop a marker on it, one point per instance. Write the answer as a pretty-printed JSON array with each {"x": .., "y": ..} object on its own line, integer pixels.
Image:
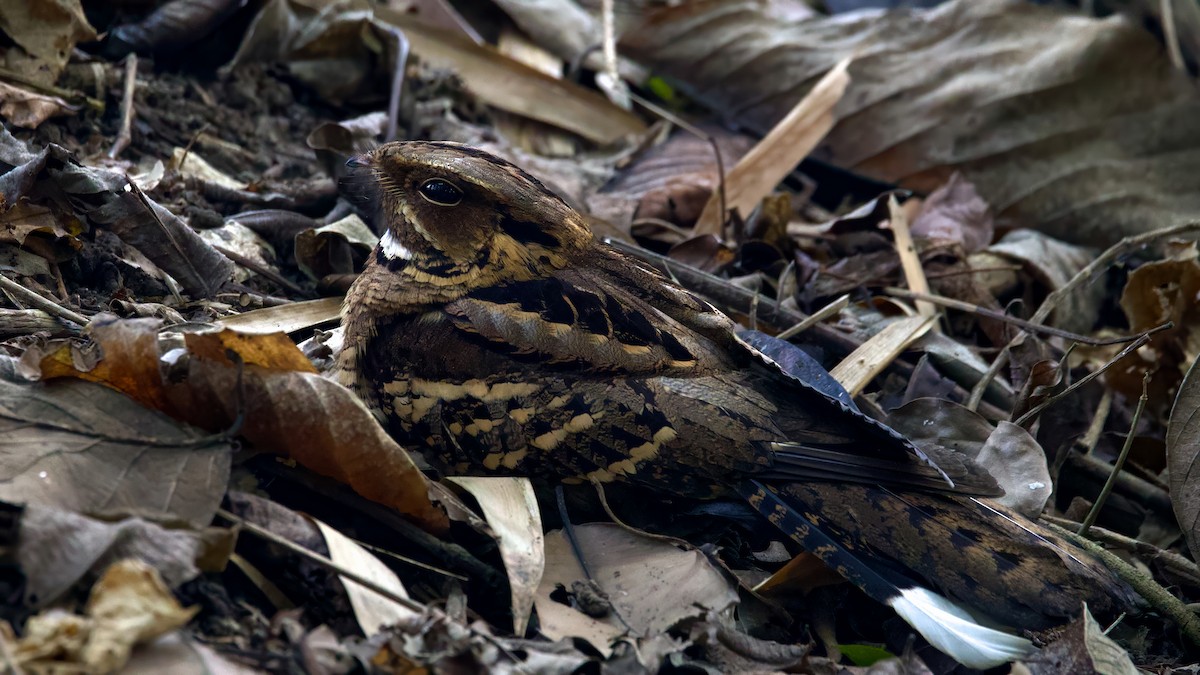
[
  {"x": 267, "y": 386},
  {"x": 107, "y": 199},
  {"x": 128, "y": 605},
  {"x": 952, "y": 89},
  {"x": 1007, "y": 451},
  {"x": 512, "y": 513}
]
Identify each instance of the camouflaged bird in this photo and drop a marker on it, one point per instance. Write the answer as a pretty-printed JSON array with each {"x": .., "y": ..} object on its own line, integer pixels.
[{"x": 494, "y": 334}]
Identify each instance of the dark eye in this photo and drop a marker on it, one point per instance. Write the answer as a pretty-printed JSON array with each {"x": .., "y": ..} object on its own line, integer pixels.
[{"x": 441, "y": 192}]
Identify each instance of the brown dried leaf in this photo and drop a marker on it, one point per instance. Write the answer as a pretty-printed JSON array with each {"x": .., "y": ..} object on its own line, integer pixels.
[
  {"x": 45, "y": 33},
  {"x": 1079, "y": 127},
  {"x": 267, "y": 386},
  {"x": 955, "y": 213}
]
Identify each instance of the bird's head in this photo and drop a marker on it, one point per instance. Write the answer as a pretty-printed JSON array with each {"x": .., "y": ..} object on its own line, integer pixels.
[{"x": 449, "y": 206}]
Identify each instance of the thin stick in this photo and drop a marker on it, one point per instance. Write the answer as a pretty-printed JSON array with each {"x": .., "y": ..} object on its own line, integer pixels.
[
  {"x": 1085, "y": 275},
  {"x": 819, "y": 316},
  {"x": 1007, "y": 318},
  {"x": 1131, "y": 348},
  {"x": 910, "y": 262},
  {"x": 125, "y": 135},
  {"x": 322, "y": 561},
  {"x": 402, "y": 49},
  {"x": 46, "y": 305},
  {"x": 1120, "y": 463},
  {"x": 1158, "y": 597}
]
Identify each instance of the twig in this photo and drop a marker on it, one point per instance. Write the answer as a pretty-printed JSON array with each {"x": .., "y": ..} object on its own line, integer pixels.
[
  {"x": 1158, "y": 597},
  {"x": 695, "y": 131},
  {"x": 1171, "y": 34},
  {"x": 322, "y": 561},
  {"x": 46, "y": 305},
  {"x": 1008, "y": 318},
  {"x": 402, "y": 49},
  {"x": 910, "y": 262},
  {"x": 1120, "y": 463},
  {"x": 266, "y": 272},
  {"x": 125, "y": 135},
  {"x": 66, "y": 94},
  {"x": 1085, "y": 275},
  {"x": 1129, "y": 349},
  {"x": 817, "y": 317},
  {"x": 1170, "y": 560}
]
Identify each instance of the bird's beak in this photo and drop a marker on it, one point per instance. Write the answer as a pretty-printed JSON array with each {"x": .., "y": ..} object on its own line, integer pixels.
[{"x": 359, "y": 161}]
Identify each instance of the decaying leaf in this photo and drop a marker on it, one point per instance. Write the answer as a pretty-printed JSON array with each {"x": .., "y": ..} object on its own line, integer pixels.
[
  {"x": 650, "y": 583},
  {"x": 1077, "y": 126},
  {"x": 1083, "y": 648},
  {"x": 1183, "y": 457}
]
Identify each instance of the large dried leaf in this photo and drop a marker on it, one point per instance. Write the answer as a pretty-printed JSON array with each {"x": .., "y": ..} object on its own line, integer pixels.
[
  {"x": 1077, "y": 126},
  {"x": 45, "y": 32},
  {"x": 263, "y": 386},
  {"x": 516, "y": 88},
  {"x": 86, "y": 448}
]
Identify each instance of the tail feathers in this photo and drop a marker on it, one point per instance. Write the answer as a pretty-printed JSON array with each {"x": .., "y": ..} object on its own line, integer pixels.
[{"x": 947, "y": 626}]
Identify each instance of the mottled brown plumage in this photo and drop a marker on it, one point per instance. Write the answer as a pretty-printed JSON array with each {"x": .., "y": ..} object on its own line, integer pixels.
[{"x": 494, "y": 334}]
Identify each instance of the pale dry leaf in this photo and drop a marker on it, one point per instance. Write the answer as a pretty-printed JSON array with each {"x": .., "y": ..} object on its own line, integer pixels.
[
  {"x": 45, "y": 32},
  {"x": 862, "y": 365},
  {"x": 372, "y": 611},
  {"x": 28, "y": 109},
  {"x": 129, "y": 605},
  {"x": 516, "y": 88},
  {"x": 178, "y": 654},
  {"x": 288, "y": 318},
  {"x": 511, "y": 509}
]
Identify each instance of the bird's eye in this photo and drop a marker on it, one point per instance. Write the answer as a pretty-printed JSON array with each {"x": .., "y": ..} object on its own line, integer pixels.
[{"x": 441, "y": 192}]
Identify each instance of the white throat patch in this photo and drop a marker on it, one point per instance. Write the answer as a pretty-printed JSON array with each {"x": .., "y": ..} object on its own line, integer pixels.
[{"x": 393, "y": 249}]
